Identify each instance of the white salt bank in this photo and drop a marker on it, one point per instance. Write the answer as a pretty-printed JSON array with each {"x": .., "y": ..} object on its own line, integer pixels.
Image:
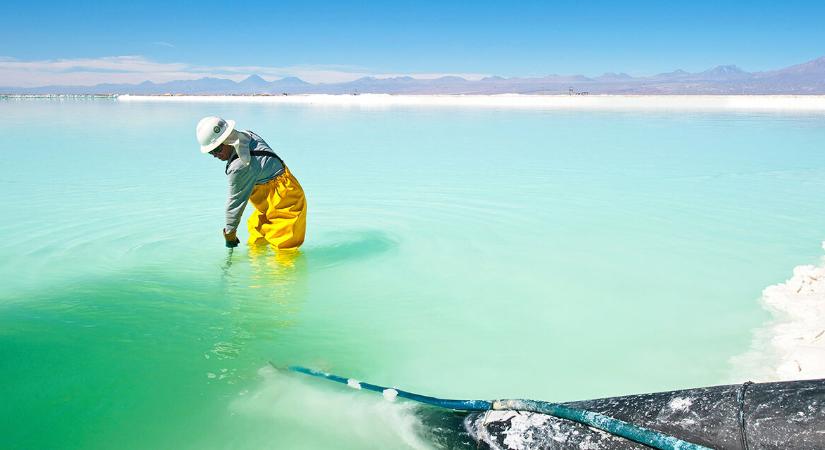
[
  {"x": 518, "y": 101},
  {"x": 792, "y": 346}
]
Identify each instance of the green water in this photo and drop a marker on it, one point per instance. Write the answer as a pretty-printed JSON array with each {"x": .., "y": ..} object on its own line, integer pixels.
[{"x": 456, "y": 252}]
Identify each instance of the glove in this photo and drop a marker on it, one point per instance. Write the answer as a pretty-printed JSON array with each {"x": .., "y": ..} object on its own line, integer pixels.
[{"x": 231, "y": 239}]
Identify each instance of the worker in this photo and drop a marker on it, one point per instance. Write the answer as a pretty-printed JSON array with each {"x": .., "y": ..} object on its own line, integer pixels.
[{"x": 259, "y": 176}]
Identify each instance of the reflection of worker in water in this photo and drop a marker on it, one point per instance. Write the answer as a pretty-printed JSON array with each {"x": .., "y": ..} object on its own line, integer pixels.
[{"x": 258, "y": 175}]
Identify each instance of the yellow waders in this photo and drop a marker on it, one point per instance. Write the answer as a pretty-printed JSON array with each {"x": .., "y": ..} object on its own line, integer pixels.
[{"x": 280, "y": 215}]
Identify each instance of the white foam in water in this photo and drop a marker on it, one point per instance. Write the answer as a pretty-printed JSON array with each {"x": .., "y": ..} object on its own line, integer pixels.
[
  {"x": 586, "y": 102},
  {"x": 792, "y": 346},
  {"x": 319, "y": 415}
]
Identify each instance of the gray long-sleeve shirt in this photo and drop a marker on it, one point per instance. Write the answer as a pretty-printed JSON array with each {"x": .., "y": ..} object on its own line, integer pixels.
[{"x": 245, "y": 172}]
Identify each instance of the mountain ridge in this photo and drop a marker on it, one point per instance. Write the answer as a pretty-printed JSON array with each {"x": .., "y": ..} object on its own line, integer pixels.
[{"x": 804, "y": 78}]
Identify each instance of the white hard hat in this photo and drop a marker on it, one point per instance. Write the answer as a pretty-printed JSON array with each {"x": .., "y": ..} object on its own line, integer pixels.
[{"x": 212, "y": 131}]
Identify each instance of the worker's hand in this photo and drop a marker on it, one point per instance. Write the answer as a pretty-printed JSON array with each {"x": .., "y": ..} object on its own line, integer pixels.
[{"x": 232, "y": 240}]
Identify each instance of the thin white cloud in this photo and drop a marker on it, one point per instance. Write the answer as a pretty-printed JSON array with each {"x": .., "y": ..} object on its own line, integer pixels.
[
  {"x": 136, "y": 69},
  {"x": 434, "y": 75},
  {"x": 163, "y": 44},
  {"x": 88, "y": 71}
]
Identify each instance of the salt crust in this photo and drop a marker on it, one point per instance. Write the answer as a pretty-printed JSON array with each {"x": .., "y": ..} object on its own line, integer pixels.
[
  {"x": 797, "y": 335},
  {"x": 792, "y": 345}
]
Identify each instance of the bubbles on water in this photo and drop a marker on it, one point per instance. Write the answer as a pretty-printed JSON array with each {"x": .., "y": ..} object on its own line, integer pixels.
[
  {"x": 222, "y": 374},
  {"x": 225, "y": 350}
]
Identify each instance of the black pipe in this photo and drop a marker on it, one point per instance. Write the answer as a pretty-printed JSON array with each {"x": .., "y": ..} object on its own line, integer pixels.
[{"x": 765, "y": 416}]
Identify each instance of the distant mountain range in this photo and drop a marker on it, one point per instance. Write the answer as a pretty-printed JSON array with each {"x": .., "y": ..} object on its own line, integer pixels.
[{"x": 806, "y": 78}]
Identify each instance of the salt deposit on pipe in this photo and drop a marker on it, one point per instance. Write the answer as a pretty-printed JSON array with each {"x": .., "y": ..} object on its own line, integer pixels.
[
  {"x": 390, "y": 394},
  {"x": 565, "y": 102}
]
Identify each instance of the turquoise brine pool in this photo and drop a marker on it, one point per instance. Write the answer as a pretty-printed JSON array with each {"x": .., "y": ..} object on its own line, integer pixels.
[{"x": 456, "y": 252}]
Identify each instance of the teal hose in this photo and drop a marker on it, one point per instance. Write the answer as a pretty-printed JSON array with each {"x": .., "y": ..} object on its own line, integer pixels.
[
  {"x": 459, "y": 405},
  {"x": 635, "y": 433}
]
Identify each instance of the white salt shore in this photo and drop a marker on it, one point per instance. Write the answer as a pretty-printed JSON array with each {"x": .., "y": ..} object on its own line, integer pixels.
[
  {"x": 792, "y": 345},
  {"x": 798, "y": 335},
  {"x": 564, "y": 102}
]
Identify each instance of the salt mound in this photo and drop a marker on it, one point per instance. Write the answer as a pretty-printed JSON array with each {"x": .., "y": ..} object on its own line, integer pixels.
[
  {"x": 799, "y": 333},
  {"x": 792, "y": 346}
]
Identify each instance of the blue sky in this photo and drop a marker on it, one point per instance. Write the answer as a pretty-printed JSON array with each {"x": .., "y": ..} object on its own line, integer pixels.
[{"x": 83, "y": 42}]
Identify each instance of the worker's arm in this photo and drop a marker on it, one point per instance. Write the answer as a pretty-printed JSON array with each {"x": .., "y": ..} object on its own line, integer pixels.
[{"x": 241, "y": 183}]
